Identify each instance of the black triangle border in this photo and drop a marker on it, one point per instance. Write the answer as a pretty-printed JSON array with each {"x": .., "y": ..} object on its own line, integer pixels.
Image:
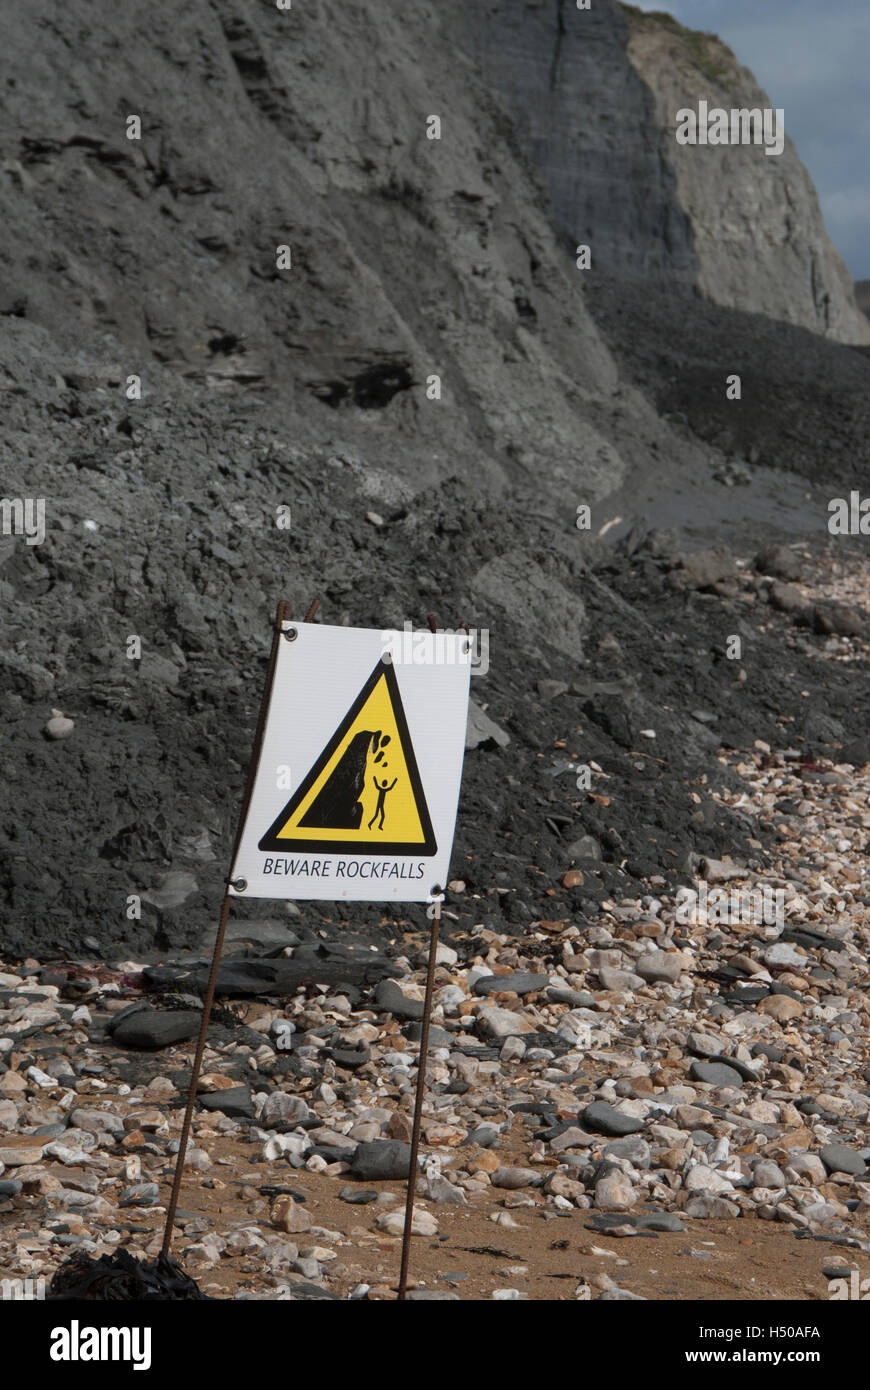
[{"x": 429, "y": 847}]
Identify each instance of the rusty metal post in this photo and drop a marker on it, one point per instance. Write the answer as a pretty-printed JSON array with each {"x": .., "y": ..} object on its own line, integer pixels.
[
  {"x": 418, "y": 1101},
  {"x": 282, "y": 616}
]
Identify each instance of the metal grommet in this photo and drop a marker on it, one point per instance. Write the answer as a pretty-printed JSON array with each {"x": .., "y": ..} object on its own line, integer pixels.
[
  {"x": 239, "y": 884},
  {"x": 436, "y": 890},
  {"x": 291, "y": 633},
  {"x": 387, "y": 658}
]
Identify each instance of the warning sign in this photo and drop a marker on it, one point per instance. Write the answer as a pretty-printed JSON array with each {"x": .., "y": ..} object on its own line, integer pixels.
[
  {"x": 364, "y": 790},
  {"x": 367, "y": 733}
]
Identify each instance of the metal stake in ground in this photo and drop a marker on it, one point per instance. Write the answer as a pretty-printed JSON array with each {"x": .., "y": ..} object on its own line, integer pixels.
[
  {"x": 418, "y": 1101},
  {"x": 281, "y": 616}
]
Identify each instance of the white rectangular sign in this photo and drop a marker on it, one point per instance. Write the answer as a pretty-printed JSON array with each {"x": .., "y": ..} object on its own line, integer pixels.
[{"x": 358, "y": 780}]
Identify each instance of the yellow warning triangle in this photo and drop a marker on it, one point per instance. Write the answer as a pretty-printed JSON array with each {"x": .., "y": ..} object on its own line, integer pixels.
[{"x": 363, "y": 794}]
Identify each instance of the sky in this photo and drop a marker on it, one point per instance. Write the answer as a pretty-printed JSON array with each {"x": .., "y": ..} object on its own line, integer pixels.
[{"x": 812, "y": 59}]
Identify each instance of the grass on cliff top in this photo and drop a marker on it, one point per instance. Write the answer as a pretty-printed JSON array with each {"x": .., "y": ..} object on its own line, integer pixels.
[{"x": 707, "y": 51}]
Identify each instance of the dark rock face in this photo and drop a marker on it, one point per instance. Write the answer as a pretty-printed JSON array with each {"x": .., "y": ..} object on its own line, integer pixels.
[{"x": 552, "y": 65}]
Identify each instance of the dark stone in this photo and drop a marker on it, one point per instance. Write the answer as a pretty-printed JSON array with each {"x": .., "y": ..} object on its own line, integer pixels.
[
  {"x": 856, "y": 751},
  {"x": 577, "y": 998},
  {"x": 114, "y": 1020},
  {"x": 307, "y": 965},
  {"x": 349, "y": 1057},
  {"x": 557, "y": 1047},
  {"x": 390, "y": 999},
  {"x": 602, "y": 1169},
  {"x": 357, "y": 1197},
  {"x": 438, "y": 1037},
  {"x": 235, "y": 1102},
  {"x": 302, "y": 1291},
  {"x": 715, "y": 1074},
  {"x": 148, "y": 1029},
  {"x": 703, "y": 1138},
  {"x": 751, "y": 994},
  {"x": 808, "y": 1105},
  {"x": 635, "y": 1149},
  {"x": 520, "y": 982},
  {"x": 517, "y": 912},
  {"x": 660, "y": 1221},
  {"x": 381, "y": 1159},
  {"x": 555, "y": 1130},
  {"x": 779, "y": 561},
  {"x": 704, "y": 1206},
  {"x": 603, "y": 1118},
  {"x": 604, "y": 1220},
  {"x": 703, "y": 568},
  {"x": 643, "y": 1221},
  {"x": 9, "y": 1187},
  {"x": 748, "y": 1073},
  {"x": 839, "y": 1158},
  {"x": 784, "y": 989},
  {"x": 811, "y": 939},
  {"x": 483, "y": 732},
  {"x": 840, "y": 618},
  {"x": 141, "y": 1194},
  {"x": 786, "y": 597}
]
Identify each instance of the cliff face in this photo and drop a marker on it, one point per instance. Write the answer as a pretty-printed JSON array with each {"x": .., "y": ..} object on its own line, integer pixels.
[
  {"x": 310, "y": 387},
  {"x": 307, "y": 128},
  {"x": 594, "y": 94},
  {"x": 587, "y": 122},
  {"x": 757, "y": 226}
]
